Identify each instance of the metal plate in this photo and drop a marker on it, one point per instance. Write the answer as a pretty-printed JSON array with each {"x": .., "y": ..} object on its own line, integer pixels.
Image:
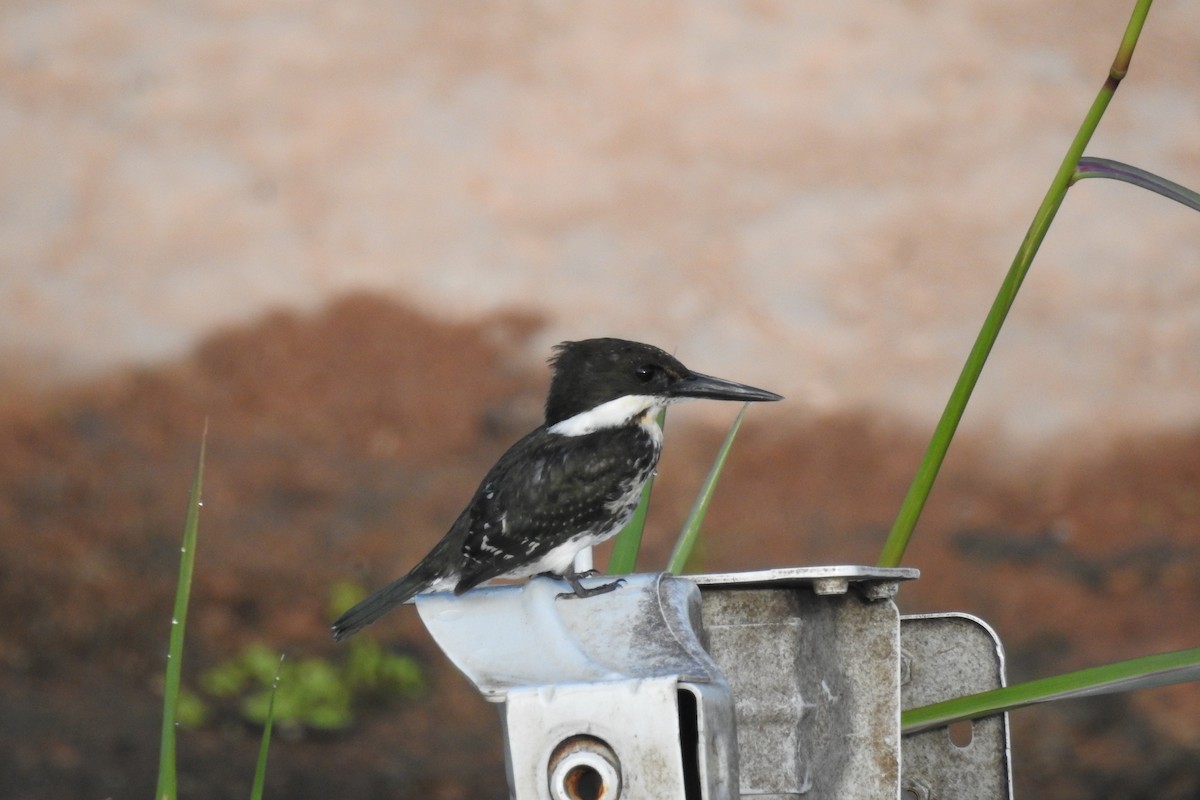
[
  {"x": 947, "y": 656},
  {"x": 874, "y": 583},
  {"x": 815, "y": 683}
]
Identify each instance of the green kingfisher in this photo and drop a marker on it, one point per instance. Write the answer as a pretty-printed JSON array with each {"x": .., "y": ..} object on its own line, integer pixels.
[{"x": 570, "y": 484}]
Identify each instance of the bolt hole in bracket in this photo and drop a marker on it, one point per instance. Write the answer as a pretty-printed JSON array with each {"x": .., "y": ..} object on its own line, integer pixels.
[
  {"x": 774, "y": 684},
  {"x": 584, "y": 768}
]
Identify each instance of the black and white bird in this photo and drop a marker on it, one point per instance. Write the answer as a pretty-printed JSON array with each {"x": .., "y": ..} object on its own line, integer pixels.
[{"x": 571, "y": 483}]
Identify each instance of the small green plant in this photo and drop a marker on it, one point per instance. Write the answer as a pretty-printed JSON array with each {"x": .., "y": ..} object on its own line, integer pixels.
[
  {"x": 308, "y": 694},
  {"x": 314, "y": 693}
]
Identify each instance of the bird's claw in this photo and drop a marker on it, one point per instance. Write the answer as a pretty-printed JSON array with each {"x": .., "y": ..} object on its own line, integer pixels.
[{"x": 581, "y": 591}]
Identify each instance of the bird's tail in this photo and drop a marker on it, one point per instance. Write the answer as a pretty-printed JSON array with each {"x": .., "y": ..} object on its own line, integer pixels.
[{"x": 423, "y": 576}]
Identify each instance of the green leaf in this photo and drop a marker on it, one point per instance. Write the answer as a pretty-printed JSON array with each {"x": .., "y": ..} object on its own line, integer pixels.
[
  {"x": 260, "y": 768},
  {"x": 226, "y": 679},
  {"x": 691, "y": 528},
  {"x": 259, "y": 664},
  {"x": 318, "y": 679},
  {"x": 370, "y": 669},
  {"x": 166, "y": 788},
  {"x": 344, "y": 595},
  {"x": 402, "y": 674},
  {"x": 329, "y": 716},
  {"x": 1146, "y": 672},
  {"x": 191, "y": 711},
  {"x": 623, "y": 559}
]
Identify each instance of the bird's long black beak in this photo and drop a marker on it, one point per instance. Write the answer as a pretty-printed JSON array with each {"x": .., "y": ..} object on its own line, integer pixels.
[{"x": 705, "y": 386}]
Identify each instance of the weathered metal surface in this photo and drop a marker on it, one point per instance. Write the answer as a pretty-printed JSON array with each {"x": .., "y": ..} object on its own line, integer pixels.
[
  {"x": 947, "y": 656},
  {"x": 814, "y": 670},
  {"x": 767, "y": 685},
  {"x": 523, "y": 635},
  {"x": 612, "y": 696},
  {"x": 637, "y": 721},
  {"x": 874, "y": 583}
]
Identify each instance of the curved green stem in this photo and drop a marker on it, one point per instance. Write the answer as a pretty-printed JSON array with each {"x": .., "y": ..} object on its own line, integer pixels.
[{"x": 935, "y": 454}]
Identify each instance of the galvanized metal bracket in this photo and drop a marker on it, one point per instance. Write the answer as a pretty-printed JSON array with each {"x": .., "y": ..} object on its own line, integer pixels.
[
  {"x": 946, "y": 656},
  {"x": 812, "y": 655},
  {"x": 503, "y": 637},
  {"x": 777, "y": 684},
  {"x": 610, "y": 696}
]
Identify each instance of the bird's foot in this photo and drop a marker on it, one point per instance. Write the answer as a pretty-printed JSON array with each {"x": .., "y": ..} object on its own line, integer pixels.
[
  {"x": 589, "y": 573},
  {"x": 582, "y": 591}
]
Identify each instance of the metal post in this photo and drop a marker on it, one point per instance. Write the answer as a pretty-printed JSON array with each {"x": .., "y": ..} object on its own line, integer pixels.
[{"x": 785, "y": 683}]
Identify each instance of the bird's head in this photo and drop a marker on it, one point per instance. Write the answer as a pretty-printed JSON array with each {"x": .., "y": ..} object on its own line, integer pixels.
[{"x": 620, "y": 380}]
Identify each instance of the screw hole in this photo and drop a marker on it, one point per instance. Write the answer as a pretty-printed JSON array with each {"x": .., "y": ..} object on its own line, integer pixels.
[
  {"x": 584, "y": 782},
  {"x": 584, "y": 768},
  {"x": 961, "y": 733}
]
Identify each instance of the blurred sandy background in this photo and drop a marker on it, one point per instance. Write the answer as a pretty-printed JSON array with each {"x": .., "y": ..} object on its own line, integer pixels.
[
  {"x": 823, "y": 195},
  {"x": 816, "y": 198}
]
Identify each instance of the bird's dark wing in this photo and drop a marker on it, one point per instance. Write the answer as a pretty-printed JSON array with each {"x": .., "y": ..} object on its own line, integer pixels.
[{"x": 546, "y": 490}]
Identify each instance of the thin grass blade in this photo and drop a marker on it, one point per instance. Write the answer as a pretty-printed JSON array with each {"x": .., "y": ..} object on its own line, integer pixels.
[
  {"x": 260, "y": 769},
  {"x": 166, "y": 789},
  {"x": 935, "y": 454},
  {"x": 691, "y": 528},
  {"x": 1146, "y": 672},
  {"x": 1117, "y": 171},
  {"x": 628, "y": 543}
]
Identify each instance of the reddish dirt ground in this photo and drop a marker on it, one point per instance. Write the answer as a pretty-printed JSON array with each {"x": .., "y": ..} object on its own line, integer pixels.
[{"x": 341, "y": 445}]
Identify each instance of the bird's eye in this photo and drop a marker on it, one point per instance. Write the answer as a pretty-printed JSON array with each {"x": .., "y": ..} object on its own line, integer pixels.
[{"x": 644, "y": 373}]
